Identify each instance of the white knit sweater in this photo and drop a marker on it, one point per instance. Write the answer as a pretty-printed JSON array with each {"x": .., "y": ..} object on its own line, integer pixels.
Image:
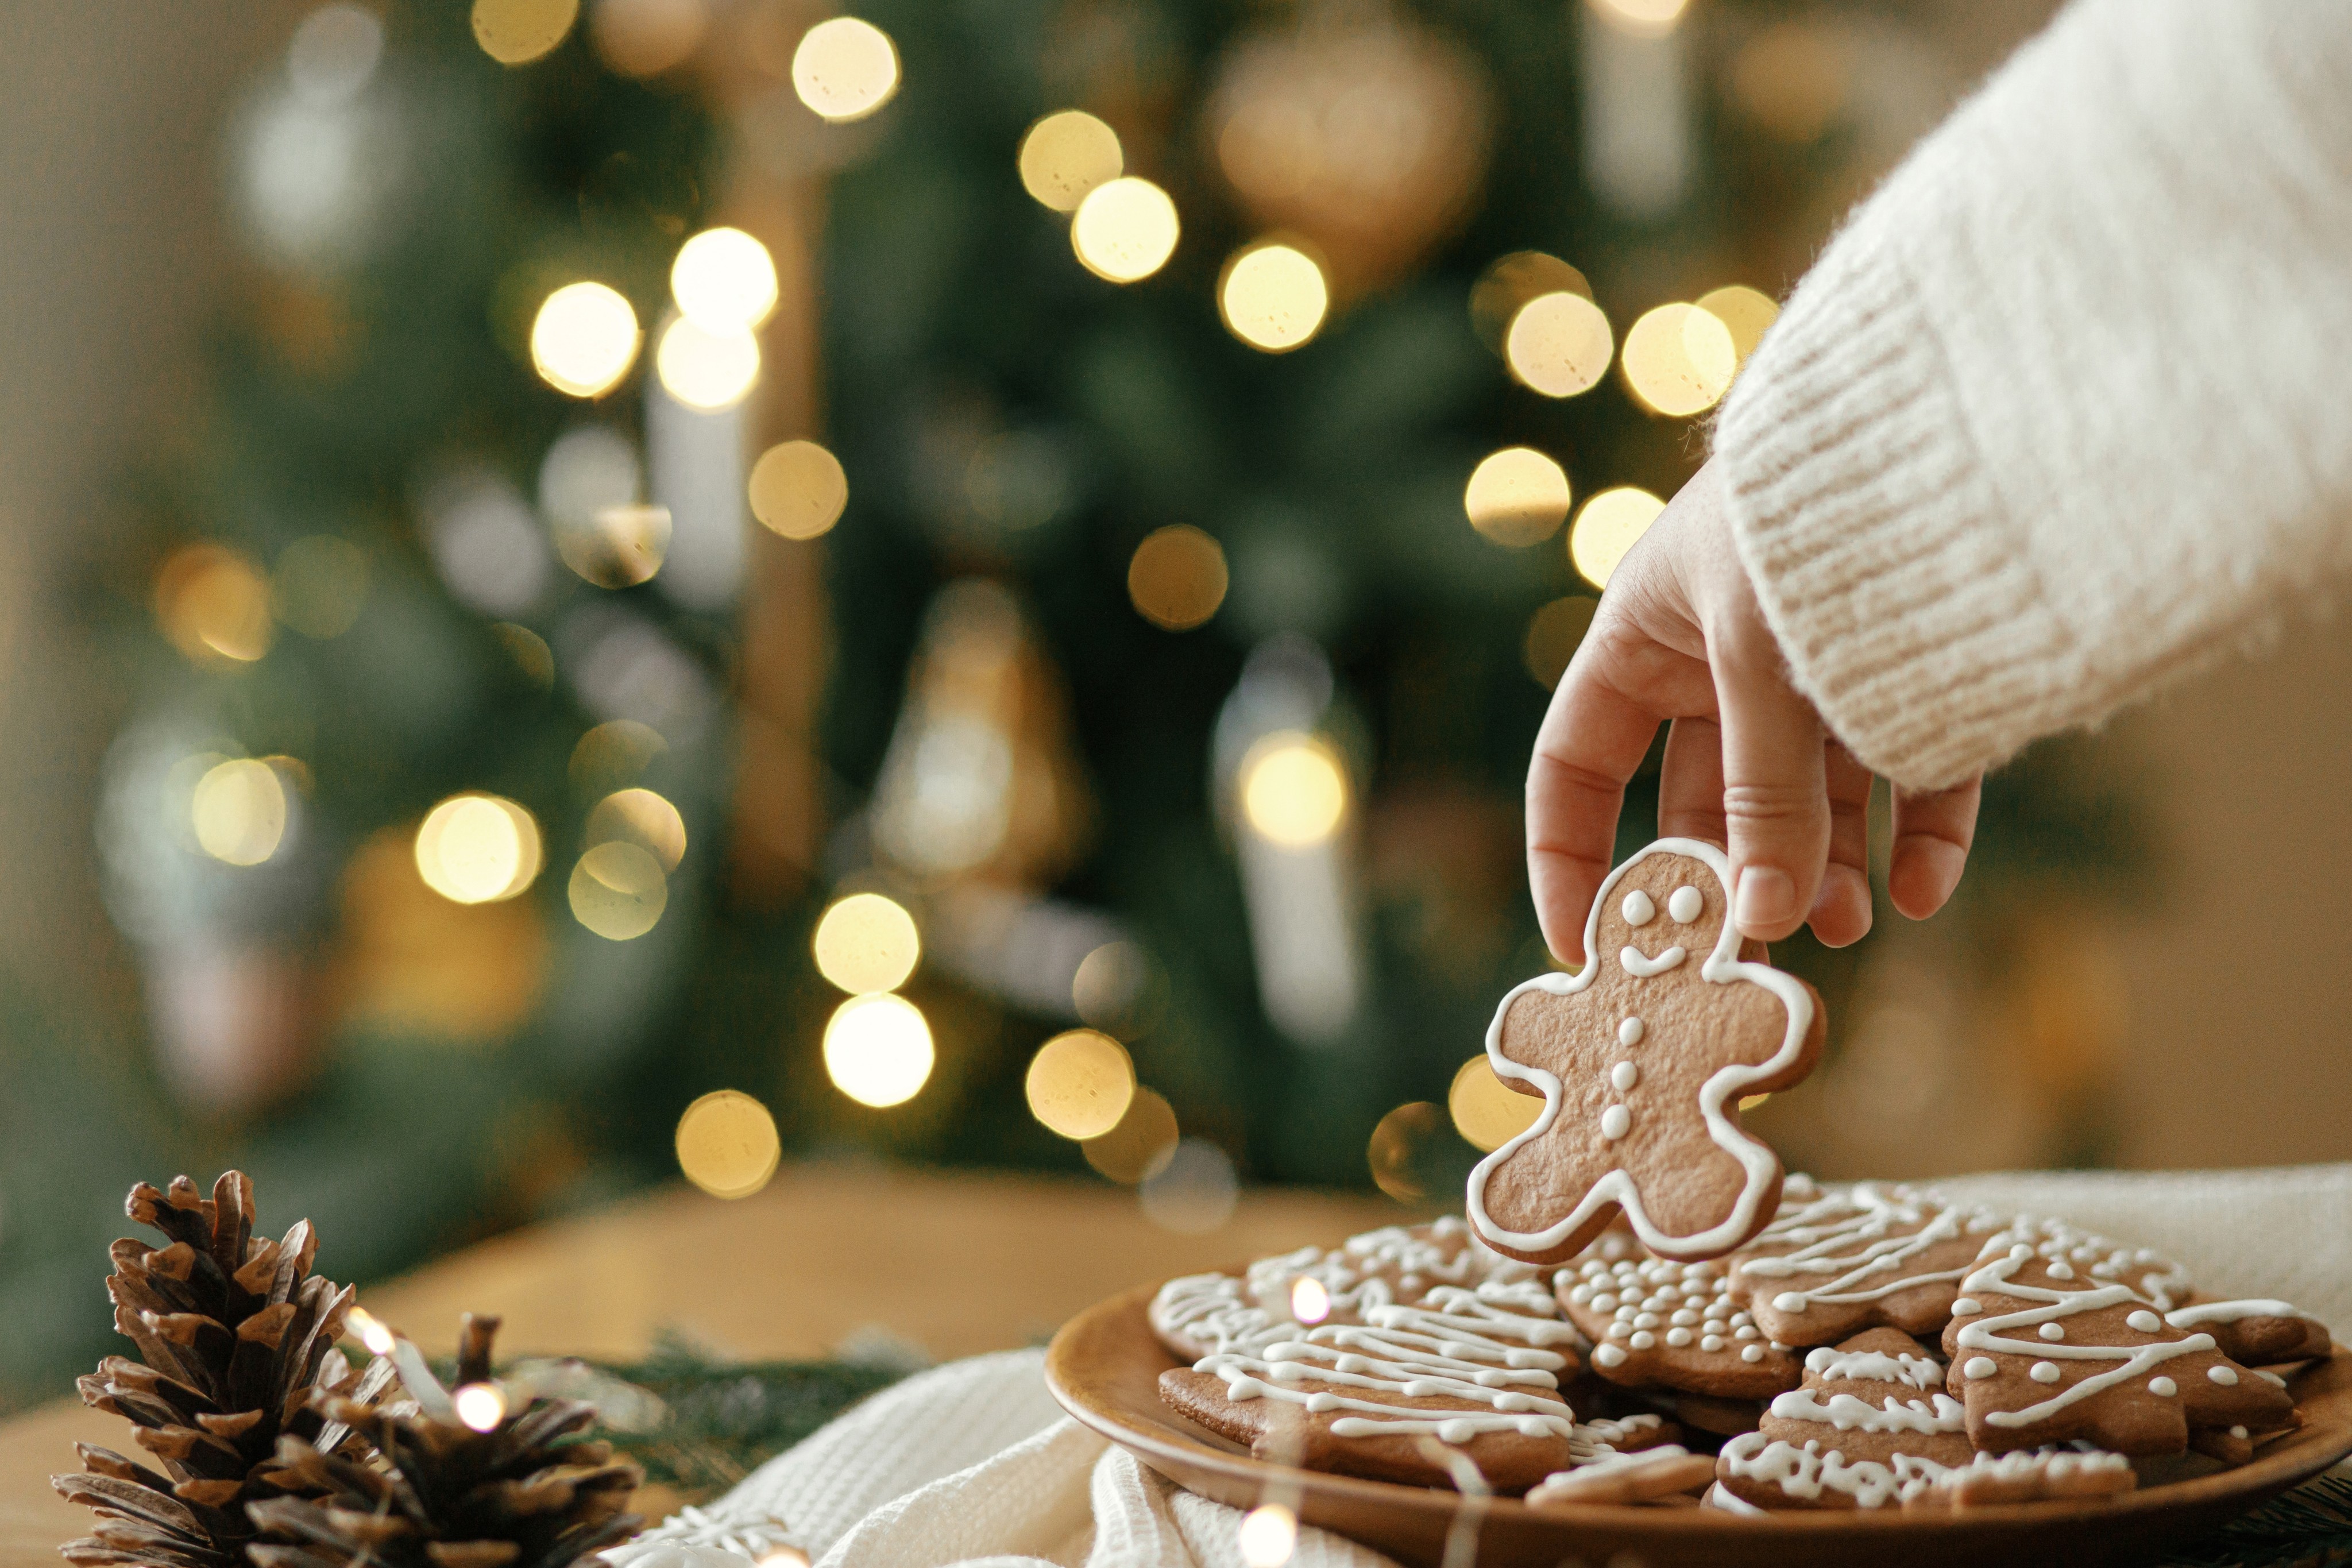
[{"x": 2064, "y": 411}]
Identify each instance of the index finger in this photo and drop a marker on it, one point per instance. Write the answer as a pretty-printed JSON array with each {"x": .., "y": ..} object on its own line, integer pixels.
[{"x": 1593, "y": 737}]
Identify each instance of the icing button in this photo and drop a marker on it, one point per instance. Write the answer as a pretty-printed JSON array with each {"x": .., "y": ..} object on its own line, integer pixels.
[
  {"x": 1751, "y": 1353},
  {"x": 1678, "y": 1337},
  {"x": 2044, "y": 1372},
  {"x": 1981, "y": 1366},
  {"x": 1789, "y": 1301},
  {"x": 1642, "y": 1340},
  {"x": 1615, "y": 1123},
  {"x": 1629, "y": 1033},
  {"x": 2164, "y": 1386},
  {"x": 1625, "y": 1076},
  {"x": 2053, "y": 1330},
  {"x": 2225, "y": 1376},
  {"x": 1608, "y": 1356},
  {"x": 1686, "y": 904},
  {"x": 2146, "y": 1321}
]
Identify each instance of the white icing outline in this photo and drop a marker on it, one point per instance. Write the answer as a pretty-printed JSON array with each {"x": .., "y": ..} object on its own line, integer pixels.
[
  {"x": 2231, "y": 1312},
  {"x": 1862, "y": 1220},
  {"x": 1722, "y": 967}
]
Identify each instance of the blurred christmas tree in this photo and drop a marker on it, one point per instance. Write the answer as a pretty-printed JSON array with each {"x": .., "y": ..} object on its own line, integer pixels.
[{"x": 1236, "y": 407}]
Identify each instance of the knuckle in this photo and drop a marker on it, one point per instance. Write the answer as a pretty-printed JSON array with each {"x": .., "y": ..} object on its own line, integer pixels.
[{"x": 1774, "y": 806}]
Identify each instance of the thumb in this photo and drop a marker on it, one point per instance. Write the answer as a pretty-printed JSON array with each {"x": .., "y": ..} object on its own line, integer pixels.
[{"x": 1775, "y": 790}]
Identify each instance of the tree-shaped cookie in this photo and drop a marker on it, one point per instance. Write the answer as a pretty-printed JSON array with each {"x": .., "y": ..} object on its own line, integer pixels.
[
  {"x": 1642, "y": 1059},
  {"x": 2059, "y": 1335},
  {"x": 1859, "y": 1258}
]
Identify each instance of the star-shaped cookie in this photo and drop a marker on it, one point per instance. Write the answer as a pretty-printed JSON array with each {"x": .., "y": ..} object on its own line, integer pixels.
[{"x": 1642, "y": 1059}]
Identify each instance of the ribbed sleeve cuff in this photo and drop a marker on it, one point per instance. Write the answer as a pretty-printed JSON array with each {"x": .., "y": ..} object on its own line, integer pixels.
[{"x": 1875, "y": 536}]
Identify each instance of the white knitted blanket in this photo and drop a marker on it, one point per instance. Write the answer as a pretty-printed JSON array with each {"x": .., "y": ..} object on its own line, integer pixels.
[{"x": 973, "y": 1465}]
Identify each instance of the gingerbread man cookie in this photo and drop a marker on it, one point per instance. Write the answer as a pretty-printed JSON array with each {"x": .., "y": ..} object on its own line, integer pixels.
[
  {"x": 2058, "y": 1334},
  {"x": 1642, "y": 1059}
]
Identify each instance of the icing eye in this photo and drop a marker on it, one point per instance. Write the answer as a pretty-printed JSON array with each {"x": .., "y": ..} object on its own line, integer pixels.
[
  {"x": 1637, "y": 909},
  {"x": 1686, "y": 905}
]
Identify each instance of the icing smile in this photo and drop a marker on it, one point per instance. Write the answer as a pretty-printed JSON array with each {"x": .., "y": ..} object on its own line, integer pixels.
[{"x": 1641, "y": 967}]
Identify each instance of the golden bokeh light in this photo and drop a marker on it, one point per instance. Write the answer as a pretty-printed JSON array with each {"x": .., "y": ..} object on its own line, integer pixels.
[
  {"x": 1273, "y": 297},
  {"x": 727, "y": 1144},
  {"x": 614, "y": 756},
  {"x": 724, "y": 280},
  {"x": 866, "y": 942},
  {"x": 1067, "y": 155},
  {"x": 1744, "y": 312},
  {"x": 647, "y": 38},
  {"x": 583, "y": 339},
  {"x": 1488, "y": 1112},
  {"x": 1512, "y": 283},
  {"x": 1653, "y": 18},
  {"x": 1125, "y": 230},
  {"x": 1177, "y": 577},
  {"x": 615, "y": 546},
  {"x": 1608, "y": 526},
  {"x": 1554, "y": 633},
  {"x": 618, "y": 891},
  {"x": 319, "y": 585},
  {"x": 1517, "y": 496},
  {"x": 1141, "y": 1146},
  {"x": 238, "y": 810},
  {"x": 1394, "y": 1151},
  {"x": 516, "y": 32},
  {"x": 846, "y": 69},
  {"x": 798, "y": 490},
  {"x": 1679, "y": 360},
  {"x": 1268, "y": 1536},
  {"x": 1080, "y": 1084},
  {"x": 477, "y": 848},
  {"x": 1559, "y": 344},
  {"x": 1310, "y": 1299},
  {"x": 213, "y": 605},
  {"x": 705, "y": 369},
  {"x": 1294, "y": 792},
  {"x": 480, "y": 1405},
  {"x": 877, "y": 1049},
  {"x": 641, "y": 817}
]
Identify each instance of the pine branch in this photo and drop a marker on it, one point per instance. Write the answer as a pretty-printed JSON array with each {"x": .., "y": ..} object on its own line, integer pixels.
[{"x": 2310, "y": 1527}]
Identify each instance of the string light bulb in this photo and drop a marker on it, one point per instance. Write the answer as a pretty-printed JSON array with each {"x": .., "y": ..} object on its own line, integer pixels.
[
  {"x": 1273, "y": 296},
  {"x": 372, "y": 1331},
  {"x": 1293, "y": 790},
  {"x": 480, "y": 1405},
  {"x": 877, "y": 1050}
]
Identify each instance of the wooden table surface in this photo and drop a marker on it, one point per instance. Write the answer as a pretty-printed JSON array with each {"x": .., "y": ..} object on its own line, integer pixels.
[{"x": 956, "y": 1263}]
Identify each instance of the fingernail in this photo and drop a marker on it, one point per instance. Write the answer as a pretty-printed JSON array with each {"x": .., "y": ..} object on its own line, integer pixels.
[{"x": 1767, "y": 901}]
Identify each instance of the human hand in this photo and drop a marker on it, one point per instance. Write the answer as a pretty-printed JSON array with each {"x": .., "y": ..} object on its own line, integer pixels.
[{"x": 1680, "y": 638}]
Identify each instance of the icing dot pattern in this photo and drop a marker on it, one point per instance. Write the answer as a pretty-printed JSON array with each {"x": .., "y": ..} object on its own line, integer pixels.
[{"x": 1655, "y": 1322}]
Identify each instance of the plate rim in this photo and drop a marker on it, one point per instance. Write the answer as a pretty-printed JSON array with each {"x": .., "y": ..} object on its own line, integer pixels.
[{"x": 2296, "y": 1458}]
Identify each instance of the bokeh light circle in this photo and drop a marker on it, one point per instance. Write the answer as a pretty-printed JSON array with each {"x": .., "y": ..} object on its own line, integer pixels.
[
  {"x": 877, "y": 1050},
  {"x": 727, "y": 1144},
  {"x": 1080, "y": 1084}
]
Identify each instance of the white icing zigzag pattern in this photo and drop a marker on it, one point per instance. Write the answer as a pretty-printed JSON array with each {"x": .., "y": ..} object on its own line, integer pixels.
[
  {"x": 2062, "y": 1249},
  {"x": 1808, "y": 1471},
  {"x": 1852, "y": 1246},
  {"x": 1875, "y": 1366},
  {"x": 1453, "y": 1345}
]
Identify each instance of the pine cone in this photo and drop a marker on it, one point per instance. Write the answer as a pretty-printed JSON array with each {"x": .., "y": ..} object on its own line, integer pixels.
[
  {"x": 235, "y": 1334},
  {"x": 524, "y": 1494}
]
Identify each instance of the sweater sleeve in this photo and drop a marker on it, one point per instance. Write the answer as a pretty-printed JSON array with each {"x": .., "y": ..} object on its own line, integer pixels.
[{"x": 2062, "y": 413}]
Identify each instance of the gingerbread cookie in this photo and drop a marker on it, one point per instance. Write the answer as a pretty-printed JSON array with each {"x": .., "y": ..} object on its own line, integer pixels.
[
  {"x": 1858, "y": 1258},
  {"x": 1872, "y": 1421},
  {"x": 2058, "y": 1334},
  {"x": 1359, "y": 1398},
  {"x": 1656, "y": 1323},
  {"x": 1200, "y": 1313},
  {"x": 2256, "y": 1331},
  {"x": 1642, "y": 1059},
  {"x": 1618, "y": 1478},
  {"x": 1796, "y": 1475}
]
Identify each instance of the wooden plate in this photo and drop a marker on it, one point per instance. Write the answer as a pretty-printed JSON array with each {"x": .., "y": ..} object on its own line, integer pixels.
[{"x": 1105, "y": 1366}]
